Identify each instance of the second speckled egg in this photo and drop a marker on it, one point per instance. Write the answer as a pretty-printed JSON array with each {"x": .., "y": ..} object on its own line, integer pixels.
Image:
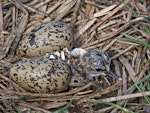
[
  {"x": 41, "y": 75},
  {"x": 48, "y": 37}
]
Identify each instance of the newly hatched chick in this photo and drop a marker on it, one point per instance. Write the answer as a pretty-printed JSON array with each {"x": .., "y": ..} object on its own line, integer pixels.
[{"x": 92, "y": 63}]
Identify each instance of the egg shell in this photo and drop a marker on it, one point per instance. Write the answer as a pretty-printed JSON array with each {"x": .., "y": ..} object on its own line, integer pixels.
[
  {"x": 48, "y": 37},
  {"x": 41, "y": 75}
]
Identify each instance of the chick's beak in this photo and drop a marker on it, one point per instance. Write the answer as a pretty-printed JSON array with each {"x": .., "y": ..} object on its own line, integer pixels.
[{"x": 112, "y": 74}]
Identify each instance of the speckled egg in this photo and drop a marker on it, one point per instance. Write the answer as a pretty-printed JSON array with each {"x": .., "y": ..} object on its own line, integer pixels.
[
  {"x": 41, "y": 75},
  {"x": 48, "y": 37}
]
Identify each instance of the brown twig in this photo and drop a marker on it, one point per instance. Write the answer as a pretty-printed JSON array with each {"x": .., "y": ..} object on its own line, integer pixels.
[
  {"x": 126, "y": 97},
  {"x": 27, "y": 94},
  {"x": 1, "y": 17},
  {"x": 17, "y": 32},
  {"x": 33, "y": 107},
  {"x": 75, "y": 13}
]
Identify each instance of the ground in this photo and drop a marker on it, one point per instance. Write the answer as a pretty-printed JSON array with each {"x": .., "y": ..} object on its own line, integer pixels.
[{"x": 119, "y": 27}]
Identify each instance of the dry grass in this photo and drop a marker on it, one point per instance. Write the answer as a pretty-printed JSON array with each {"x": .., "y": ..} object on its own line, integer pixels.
[{"x": 97, "y": 24}]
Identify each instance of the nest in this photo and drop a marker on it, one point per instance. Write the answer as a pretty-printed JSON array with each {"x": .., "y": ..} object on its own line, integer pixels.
[{"x": 120, "y": 28}]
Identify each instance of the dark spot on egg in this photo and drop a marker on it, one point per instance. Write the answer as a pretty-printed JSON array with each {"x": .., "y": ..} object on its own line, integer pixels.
[
  {"x": 40, "y": 87},
  {"x": 63, "y": 83},
  {"x": 61, "y": 36},
  {"x": 56, "y": 85},
  {"x": 23, "y": 68},
  {"x": 15, "y": 74},
  {"x": 49, "y": 80},
  {"x": 45, "y": 29},
  {"x": 36, "y": 84},
  {"x": 66, "y": 38},
  {"x": 55, "y": 80},
  {"x": 58, "y": 30},
  {"x": 50, "y": 72},
  {"x": 32, "y": 79},
  {"x": 49, "y": 34},
  {"x": 32, "y": 67},
  {"x": 32, "y": 39},
  {"x": 69, "y": 34},
  {"x": 18, "y": 68},
  {"x": 67, "y": 77}
]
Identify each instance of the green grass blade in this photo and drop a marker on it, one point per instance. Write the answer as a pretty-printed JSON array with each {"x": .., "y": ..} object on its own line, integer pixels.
[
  {"x": 17, "y": 108},
  {"x": 112, "y": 104},
  {"x": 138, "y": 82},
  {"x": 137, "y": 41},
  {"x": 130, "y": 8},
  {"x": 63, "y": 109},
  {"x": 147, "y": 29}
]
